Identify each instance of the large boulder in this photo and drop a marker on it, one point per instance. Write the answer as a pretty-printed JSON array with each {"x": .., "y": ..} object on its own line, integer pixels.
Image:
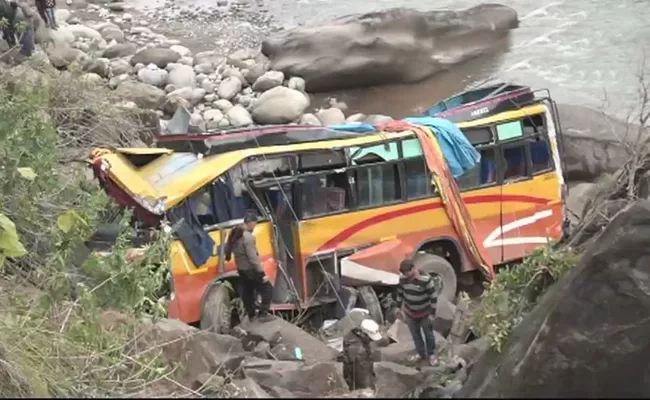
[
  {"x": 588, "y": 335},
  {"x": 312, "y": 348},
  {"x": 118, "y": 50},
  {"x": 199, "y": 351},
  {"x": 594, "y": 143},
  {"x": 398, "y": 45},
  {"x": 395, "y": 381},
  {"x": 142, "y": 94},
  {"x": 297, "y": 377},
  {"x": 155, "y": 55},
  {"x": 279, "y": 105}
]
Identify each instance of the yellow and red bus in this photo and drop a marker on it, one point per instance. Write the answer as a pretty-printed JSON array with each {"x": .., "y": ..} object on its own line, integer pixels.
[{"x": 337, "y": 209}]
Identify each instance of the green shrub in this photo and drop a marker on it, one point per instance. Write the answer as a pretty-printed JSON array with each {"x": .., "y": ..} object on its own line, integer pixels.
[
  {"x": 515, "y": 291},
  {"x": 53, "y": 341}
]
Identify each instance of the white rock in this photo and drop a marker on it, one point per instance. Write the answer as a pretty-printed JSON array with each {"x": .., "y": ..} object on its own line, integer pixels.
[
  {"x": 280, "y": 105},
  {"x": 212, "y": 118},
  {"x": 182, "y": 76},
  {"x": 235, "y": 73},
  {"x": 138, "y": 67},
  {"x": 193, "y": 96},
  {"x": 297, "y": 83},
  {"x": 170, "y": 88},
  {"x": 182, "y": 50},
  {"x": 204, "y": 68},
  {"x": 61, "y": 15},
  {"x": 91, "y": 78},
  {"x": 331, "y": 116},
  {"x": 228, "y": 88},
  {"x": 81, "y": 31},
  {"x": 139, "y": 30},
  {"x": 153, "y": 75},
  {"x": 222, "y": 104},
  {"x": 210, "y": 98},
  {"x": 208, "y": 86},
  {"x": 127, "y": 17},
  {"x": 238, "y": 116},
  {"x": 309, "y": 119},
  {"x": 269, "y": 80},
  {"x": 186, "y": 61},
  {"x": 358, "y": 117},
  {"x": 197, "y": 120}
]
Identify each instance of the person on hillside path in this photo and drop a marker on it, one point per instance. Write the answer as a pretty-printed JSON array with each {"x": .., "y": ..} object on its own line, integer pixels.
[
  {"x": 40, "y": 7},
  {"x": 416, "y": 297},
  {"x": 50, "y": 8},
  {"x": 8, "y": 14},
  {"x": 252, "y": 278},
  {"x": 25, "y": 16},
  {"x": 357, "y": 357}
]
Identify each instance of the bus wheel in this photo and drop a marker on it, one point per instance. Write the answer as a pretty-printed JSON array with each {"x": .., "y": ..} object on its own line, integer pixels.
[
  {"x": 368, "y": 300},
  {"x": 433, "y": 264},
  {"x": 217, "y": 309}
]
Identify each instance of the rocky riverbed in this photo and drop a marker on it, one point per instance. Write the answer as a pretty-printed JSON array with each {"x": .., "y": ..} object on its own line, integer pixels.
[{"x": 227, "y": 86}]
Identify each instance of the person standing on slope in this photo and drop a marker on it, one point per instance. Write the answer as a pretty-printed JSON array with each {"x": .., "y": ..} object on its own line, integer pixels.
[
  {"x": 252, "y": 278},
  {"x": 416, "y": 297}
]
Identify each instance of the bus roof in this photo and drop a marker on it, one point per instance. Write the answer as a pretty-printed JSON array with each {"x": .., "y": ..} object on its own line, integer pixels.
[{"x": 175, "y": 175}]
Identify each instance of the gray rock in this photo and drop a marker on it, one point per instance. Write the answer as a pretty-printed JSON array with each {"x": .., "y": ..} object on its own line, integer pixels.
[
  {"x": 119, "y": 50},
  {"x": 368, "y": 49},
  {"x": 142, "y": 94},
  {"x": 269, "y": 80},
  {"x": 209, "y": 57},
  {"x": 155, "y": 55},
  {"x": 238, "y": 116},
  {"x": 212, "y": 118},
  {"x": 61, "y": 55},
  {"x": 182, "y": 76},
  {"x": 192, "y": 95},
  {"x": 591, "y": 325},
  {"x": 113, "y": 34},
  {"x": 280, "y": 105},
  {"x": 376, "y": 119},
  {"x": 116, "y": 80},
  {"x": 235, "y": 73},
  {"x": 394, "y": 380},
  {"x": 229, "y": 87},
  {"x": 204, "y": 68},
  {"x": 153, "y": 75},
  {"x": 253, "y": 72},
  {"x": 117, "y": 7},
  {"x": 331, "y": 116},
  {"x": 297, "y": 83},
  {"x": 182, "y": 50},
  {"x": 296, "y": 377},
  {"x": 358, "y": 117},
  {"x": 99, "y": 66},
  {"x": 208, "y": 86},
  {"x": 210, "y": 98}
]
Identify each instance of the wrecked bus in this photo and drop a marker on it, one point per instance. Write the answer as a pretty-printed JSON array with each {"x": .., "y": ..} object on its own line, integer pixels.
[{"x": 337, "y": 209}]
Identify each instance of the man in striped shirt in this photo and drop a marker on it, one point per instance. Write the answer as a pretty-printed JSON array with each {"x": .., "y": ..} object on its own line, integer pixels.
[{"x": 416, "y": 297}]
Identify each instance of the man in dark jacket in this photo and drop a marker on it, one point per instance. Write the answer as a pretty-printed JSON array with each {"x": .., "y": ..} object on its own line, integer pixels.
[{"x": 358, "y": 369}]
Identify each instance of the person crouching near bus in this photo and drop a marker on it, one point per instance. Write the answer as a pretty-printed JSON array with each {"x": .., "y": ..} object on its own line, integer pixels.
[
  {"x": 416, "y": 297},
  {"x": 357, "y": 357},
  {"x": 252, "y": 278}
]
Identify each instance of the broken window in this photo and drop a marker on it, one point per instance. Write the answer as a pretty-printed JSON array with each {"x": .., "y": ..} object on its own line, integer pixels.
[
  {"x": 376, "y": 153},
  {"x": 201, "y": 204},
  {"x": 540, "y": 155},
  {"x": 324, "y": 194}
]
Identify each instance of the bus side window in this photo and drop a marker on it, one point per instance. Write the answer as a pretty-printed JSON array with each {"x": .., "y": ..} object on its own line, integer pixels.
[
  {"x": 515, "y": 162},
  {"x": 418, "y": 180},
  {"x": 377, "y": 185},
  {"x": 541, "y": 155},
  {"x": 483, "y": 174}
]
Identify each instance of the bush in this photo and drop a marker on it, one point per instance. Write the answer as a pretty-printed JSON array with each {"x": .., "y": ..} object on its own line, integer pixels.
[
  {"x": 54, "y": 338},
  {"x": 515, "y": 291}
]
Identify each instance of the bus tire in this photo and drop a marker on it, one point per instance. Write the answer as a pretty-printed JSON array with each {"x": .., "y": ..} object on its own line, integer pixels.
[
  {"x": 433, "y": 264},
  {"x": 368, "y": 299},
  {"x": 217, "y": 309}
]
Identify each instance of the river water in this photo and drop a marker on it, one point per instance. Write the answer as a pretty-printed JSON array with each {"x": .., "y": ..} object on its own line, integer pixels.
[
  {"x": 587, "y": 52},
  {"x": 584, "y": 51}
]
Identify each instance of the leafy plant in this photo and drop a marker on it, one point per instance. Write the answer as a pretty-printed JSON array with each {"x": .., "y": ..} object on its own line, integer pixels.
[{"x": 516, "y": 290}]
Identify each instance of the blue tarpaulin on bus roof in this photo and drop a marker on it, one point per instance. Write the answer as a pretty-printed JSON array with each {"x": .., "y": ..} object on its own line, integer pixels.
[
  {"x": 459, "y": 152},
  {"x": 354, "y": 127}
]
